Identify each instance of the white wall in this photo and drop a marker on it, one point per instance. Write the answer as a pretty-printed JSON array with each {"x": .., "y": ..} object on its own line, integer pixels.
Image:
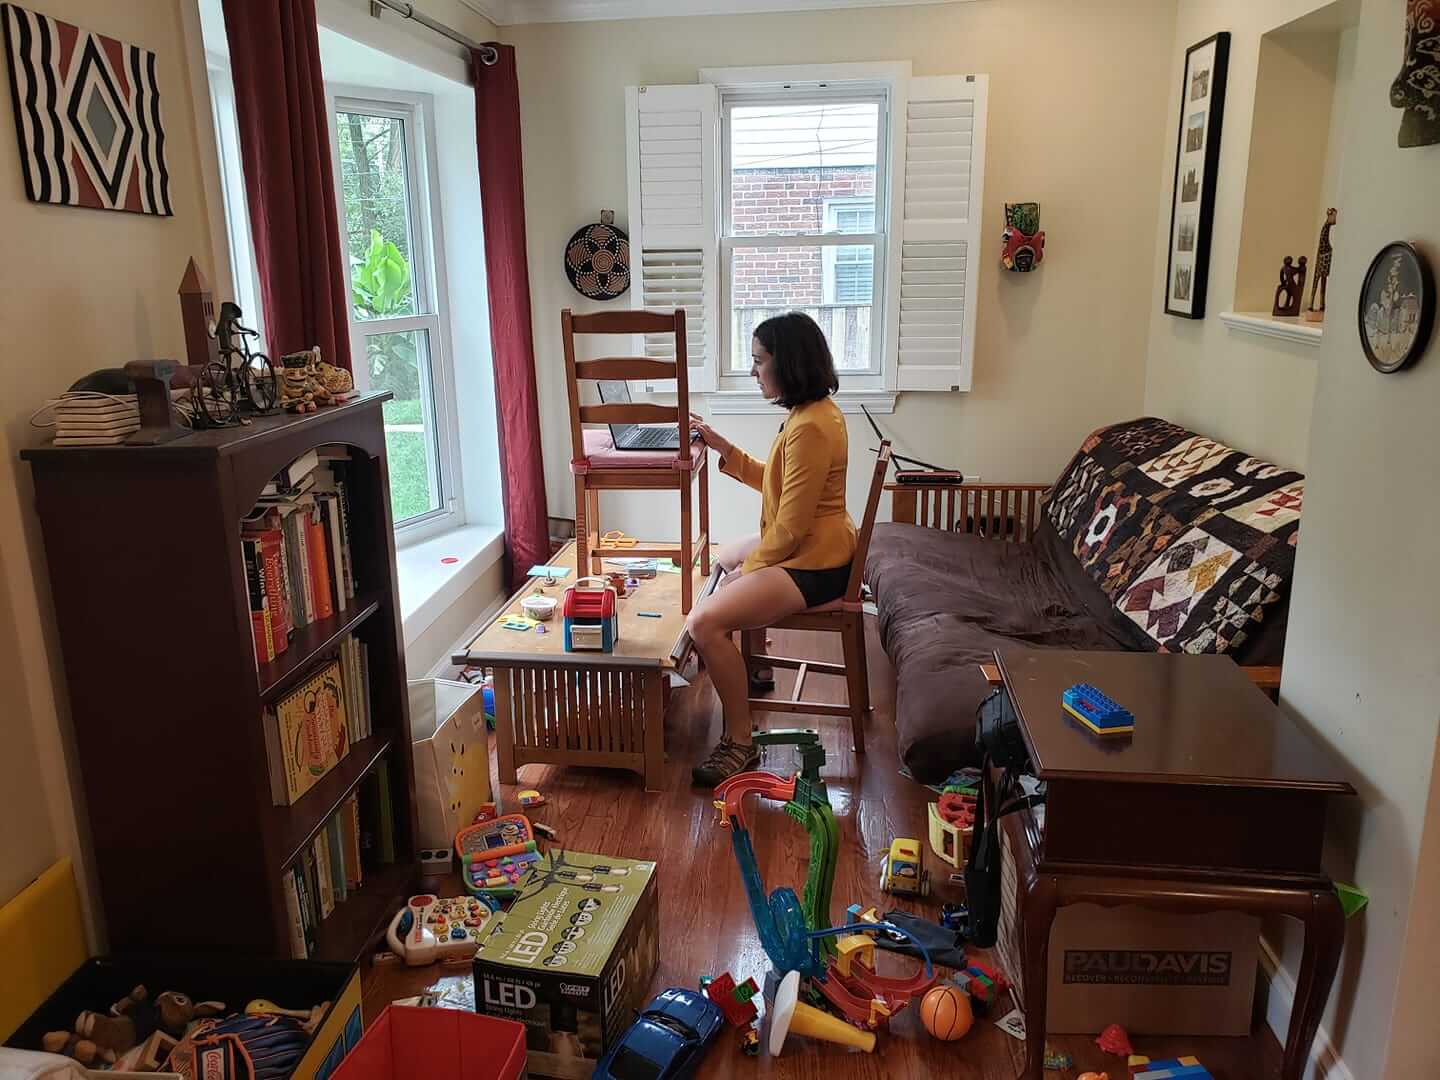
[
  {"x": 1360, "y": 669},
  {"x": 1360, "y": 661},
  {"x": 1074, "y": 123},
  {"x": 79, "y": 290}
]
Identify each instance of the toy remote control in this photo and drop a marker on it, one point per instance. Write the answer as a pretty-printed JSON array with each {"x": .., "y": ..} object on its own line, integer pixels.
[
  {"x": 1096, "y": 711},
  {"x": 431, "y": 928}
]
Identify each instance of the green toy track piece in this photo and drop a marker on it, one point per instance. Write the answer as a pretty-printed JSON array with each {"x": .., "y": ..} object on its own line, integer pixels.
[{"x": 1352, "y": 898}]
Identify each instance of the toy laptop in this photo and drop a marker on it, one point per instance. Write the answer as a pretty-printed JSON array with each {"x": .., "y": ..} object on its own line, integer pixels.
[
  {"x": 495, "y": 854},
  {"x": 592, "y": 616},
  {"x": 572, "y": 958}
]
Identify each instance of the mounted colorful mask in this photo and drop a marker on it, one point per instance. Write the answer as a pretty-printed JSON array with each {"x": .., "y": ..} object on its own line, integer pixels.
[{"x": 1023, "y": 242}]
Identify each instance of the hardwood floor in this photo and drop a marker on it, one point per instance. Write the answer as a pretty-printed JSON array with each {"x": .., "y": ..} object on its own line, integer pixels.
[{"x": 705, "y": 923}]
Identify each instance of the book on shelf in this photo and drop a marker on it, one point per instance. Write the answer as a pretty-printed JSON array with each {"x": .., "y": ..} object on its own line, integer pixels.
[
  {"x": 321, "y": 854},
  {"x": 337, "y": 860},
  {"x": 298, "y": 949},
  {"x": 259, "y": 604},
  {"x": 273, "y": 577},
  {"x": 307, "y": 919},
  {"x": 318, "y": 543},
  {"x": 306, "y": 734}
]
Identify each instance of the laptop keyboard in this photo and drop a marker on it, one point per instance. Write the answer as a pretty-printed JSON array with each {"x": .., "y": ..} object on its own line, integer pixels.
[{"x": 652, "y": 438}]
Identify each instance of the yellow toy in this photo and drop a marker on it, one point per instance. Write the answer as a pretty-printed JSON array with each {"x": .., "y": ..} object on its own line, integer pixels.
[{"x": 901, "y": 871}]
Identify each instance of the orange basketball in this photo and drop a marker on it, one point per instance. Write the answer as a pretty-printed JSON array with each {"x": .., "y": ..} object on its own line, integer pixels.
[{"x": 945, "y": 1012}]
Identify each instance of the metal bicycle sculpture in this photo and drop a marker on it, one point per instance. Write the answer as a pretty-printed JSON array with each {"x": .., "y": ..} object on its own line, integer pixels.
[{"x": 238, "y": 385}]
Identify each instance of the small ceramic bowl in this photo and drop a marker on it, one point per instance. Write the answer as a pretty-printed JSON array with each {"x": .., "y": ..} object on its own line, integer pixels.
[{"x": 539, "y": 607}]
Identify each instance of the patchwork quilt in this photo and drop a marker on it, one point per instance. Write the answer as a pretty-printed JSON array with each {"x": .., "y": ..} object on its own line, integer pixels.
[{"x": 1191, "y": 540}]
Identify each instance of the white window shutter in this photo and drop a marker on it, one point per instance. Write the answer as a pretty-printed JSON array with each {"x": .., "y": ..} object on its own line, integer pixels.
[
  {"x": 938, "y": 197},
  {"x": 673, "y": 167}
]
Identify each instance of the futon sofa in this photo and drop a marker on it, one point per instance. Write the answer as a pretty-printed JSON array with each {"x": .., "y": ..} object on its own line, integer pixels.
[{"x": 1153, "y": 538}]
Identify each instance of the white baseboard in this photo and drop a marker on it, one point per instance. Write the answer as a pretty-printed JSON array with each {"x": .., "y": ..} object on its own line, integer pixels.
[{"x": 1325, "y": 1062}]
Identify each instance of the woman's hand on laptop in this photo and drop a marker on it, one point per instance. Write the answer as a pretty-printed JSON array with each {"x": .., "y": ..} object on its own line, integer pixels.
[{"x": 710, "y": 437}]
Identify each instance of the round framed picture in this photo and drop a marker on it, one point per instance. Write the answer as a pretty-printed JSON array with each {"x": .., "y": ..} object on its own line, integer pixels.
[
  {"x": 1397, "y": 307},
  {"x": 597, "y": 261}
]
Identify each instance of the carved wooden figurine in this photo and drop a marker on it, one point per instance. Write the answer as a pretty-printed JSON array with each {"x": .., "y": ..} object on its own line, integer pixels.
[
  {"x": 1290, "y": 293},
  {"x": 1323, "y": 256}
]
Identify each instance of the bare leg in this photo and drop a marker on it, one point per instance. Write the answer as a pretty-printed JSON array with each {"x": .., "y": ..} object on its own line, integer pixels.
[
  {"x": 730, "y": 556},
  {"x": 754, "y": 600}
]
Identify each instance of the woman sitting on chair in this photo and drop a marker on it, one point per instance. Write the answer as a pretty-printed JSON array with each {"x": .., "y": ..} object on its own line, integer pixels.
[{"x": 801, "y": 556}]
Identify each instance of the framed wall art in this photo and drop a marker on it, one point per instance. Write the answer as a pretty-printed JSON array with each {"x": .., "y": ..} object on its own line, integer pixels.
[
  {"x": 1197, "y": 161},
  {"x": 1397, "y": 307},
  {"x": 87, "y": 116}
]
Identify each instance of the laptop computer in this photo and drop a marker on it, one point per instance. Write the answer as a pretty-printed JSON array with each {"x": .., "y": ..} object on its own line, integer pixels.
[{"x": 636, "y": 436}]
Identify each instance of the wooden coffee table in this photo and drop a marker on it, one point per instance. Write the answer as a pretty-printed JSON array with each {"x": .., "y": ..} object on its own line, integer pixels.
[
  {"x": 586, "y": 708},
  {"x": 1216, "y": 802}
]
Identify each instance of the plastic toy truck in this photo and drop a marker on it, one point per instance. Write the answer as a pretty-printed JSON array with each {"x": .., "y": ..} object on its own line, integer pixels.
[
  {"x": 667, "y": 1041},
  {"x": 901, "y": 871}
]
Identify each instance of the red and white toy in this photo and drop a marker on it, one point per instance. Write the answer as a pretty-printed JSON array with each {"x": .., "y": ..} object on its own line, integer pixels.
[{"x": 430, "y": 928}]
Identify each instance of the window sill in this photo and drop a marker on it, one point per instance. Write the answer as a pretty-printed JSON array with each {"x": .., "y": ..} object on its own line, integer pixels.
[
  {"x": 750, "y": 403},
  {"x": 1274, "y": 326},
  {"x": 429, "y": 584}
]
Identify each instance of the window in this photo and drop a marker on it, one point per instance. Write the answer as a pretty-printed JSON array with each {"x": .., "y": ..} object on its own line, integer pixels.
[
  {"x": 397, "y": 325},
  {"x": 802, "y": 176},
  {"x": 232, "y": 181},
  {"x": 851, "y": 192}
]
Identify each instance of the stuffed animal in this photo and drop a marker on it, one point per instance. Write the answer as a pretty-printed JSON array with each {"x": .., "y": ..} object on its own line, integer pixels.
[
  {"x": 296, "y": 385},
  {"x": 336, "y": 380},
  {"x": 130, "y": 1023},
  {"x": 72, "y": 1046}
]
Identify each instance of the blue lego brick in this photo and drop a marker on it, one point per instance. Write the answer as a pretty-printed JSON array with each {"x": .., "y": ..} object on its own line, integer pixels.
[
  {"x": 1185, "y": 1068},
  {"x": 1096, "y": 711}
]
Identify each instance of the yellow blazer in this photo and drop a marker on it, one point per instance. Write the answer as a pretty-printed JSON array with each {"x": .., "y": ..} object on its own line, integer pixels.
[{"x": 803, "y": 522}]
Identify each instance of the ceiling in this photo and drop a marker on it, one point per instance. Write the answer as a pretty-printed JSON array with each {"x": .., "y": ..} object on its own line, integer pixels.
[{"x": 510, "y": 12}]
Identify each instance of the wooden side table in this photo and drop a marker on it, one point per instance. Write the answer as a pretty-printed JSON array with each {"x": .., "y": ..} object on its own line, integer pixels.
[
  {"x": 1217, "y": 801},
  {"x": 585, "y": 708}
]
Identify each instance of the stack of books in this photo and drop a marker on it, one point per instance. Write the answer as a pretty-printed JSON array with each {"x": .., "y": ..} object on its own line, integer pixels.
[
  {"x": 359, "y": 837},
  {"x": 296, "y": 546},
  {"x": 85, "y": 419}
]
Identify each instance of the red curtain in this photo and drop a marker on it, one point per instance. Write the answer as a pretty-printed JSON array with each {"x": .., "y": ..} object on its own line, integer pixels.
[
  {"x": 289, "y": 182},
  {"x": 502, "y": 198}
]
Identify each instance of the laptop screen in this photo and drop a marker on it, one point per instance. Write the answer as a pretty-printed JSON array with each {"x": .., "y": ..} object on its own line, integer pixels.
[{"x": 616, "y": 392}]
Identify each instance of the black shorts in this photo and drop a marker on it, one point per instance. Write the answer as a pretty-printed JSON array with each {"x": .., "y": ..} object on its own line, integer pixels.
[{"x": 821, "y": 586}]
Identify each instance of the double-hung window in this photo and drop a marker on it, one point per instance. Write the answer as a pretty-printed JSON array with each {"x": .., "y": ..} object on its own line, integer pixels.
[
  {"x": 849, "y": 192},
  {"x": 398, "y": 325}
]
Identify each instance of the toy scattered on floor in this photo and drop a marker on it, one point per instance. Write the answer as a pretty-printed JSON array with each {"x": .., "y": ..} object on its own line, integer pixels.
[
  {"x": 538, "y": 607},
  {"x": 1057, "y": 1059},
  {"x": 983, "y": 984},
  {"x": 430, "y": 928},
  {"x": 734, "y": 1001},
  {"x": 545, "y": 832},
  {"x": 1352, "y": 898},
  {"x": 1096, "y": 711},
  {"x": 954, "y": 916},
  {"x": 667, "y": 1040},
  {"x": 1113, "y": 1040},
  {"x": 951, "y": 826},
  {"x": 530, "y": 797},
  {"x": 488, "y": 812},
  {"x": 495, "y": 854},
  {"x": 592, "y": 616},
  {"x": 1093, "y": 1076},
  {"x": 750, "y": 1042},
  {"x": 946, "y": 1014},
  {"x": 792, "y": 1014},
  {"x": 518, "y": 622},
  {"x": 901, "y": 870},
  {"x": 1181, "y": 1068}
]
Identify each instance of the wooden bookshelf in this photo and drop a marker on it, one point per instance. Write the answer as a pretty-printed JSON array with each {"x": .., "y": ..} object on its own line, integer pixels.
[{"x": 143, "y": 548}]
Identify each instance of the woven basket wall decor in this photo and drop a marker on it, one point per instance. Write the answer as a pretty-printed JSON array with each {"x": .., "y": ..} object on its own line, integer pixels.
[{"x": 597, "y": 260}]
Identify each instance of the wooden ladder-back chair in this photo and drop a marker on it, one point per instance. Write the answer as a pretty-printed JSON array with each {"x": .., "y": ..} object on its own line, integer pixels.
[
  {"x": 845, "y": 617},
  {"x": 598, "y": 466}
]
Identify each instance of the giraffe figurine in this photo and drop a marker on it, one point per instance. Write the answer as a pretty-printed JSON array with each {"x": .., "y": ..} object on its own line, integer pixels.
[{"x": 1323, "y": 257}]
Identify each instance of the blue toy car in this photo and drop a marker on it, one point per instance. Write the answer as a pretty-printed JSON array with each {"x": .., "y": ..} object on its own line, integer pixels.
[{"x": 667, "y": 1040}]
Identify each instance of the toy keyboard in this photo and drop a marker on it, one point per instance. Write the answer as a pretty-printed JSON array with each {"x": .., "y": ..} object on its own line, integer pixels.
[
  {"x": 495, "y": 855},
  {"x": 1096, "y": 711}
]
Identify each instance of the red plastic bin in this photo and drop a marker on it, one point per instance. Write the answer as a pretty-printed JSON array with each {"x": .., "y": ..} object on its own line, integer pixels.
[{"x": 406, "y": 1043}]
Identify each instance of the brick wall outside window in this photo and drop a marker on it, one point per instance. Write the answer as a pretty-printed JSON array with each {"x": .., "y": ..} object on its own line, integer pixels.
[{"x": 787, "y": 201}]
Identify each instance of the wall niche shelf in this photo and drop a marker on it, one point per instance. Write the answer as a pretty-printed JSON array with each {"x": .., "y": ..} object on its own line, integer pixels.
[{"x": 1274, "y": 326}]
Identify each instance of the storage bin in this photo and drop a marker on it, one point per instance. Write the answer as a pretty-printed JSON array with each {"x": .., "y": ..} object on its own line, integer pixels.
[
  {"x": 451, "y": 754},
  {"x": 406, "y": 1043}
]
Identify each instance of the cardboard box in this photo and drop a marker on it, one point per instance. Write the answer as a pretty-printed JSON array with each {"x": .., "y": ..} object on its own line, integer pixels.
[
  {"x": 1152, "y": 972},
  {"x": 573, "y": 958},
  {"x": 451, "y": 757}
]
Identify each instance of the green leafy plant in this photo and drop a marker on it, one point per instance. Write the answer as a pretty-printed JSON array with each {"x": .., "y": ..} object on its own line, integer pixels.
[{"x": 380, "y": 282}]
